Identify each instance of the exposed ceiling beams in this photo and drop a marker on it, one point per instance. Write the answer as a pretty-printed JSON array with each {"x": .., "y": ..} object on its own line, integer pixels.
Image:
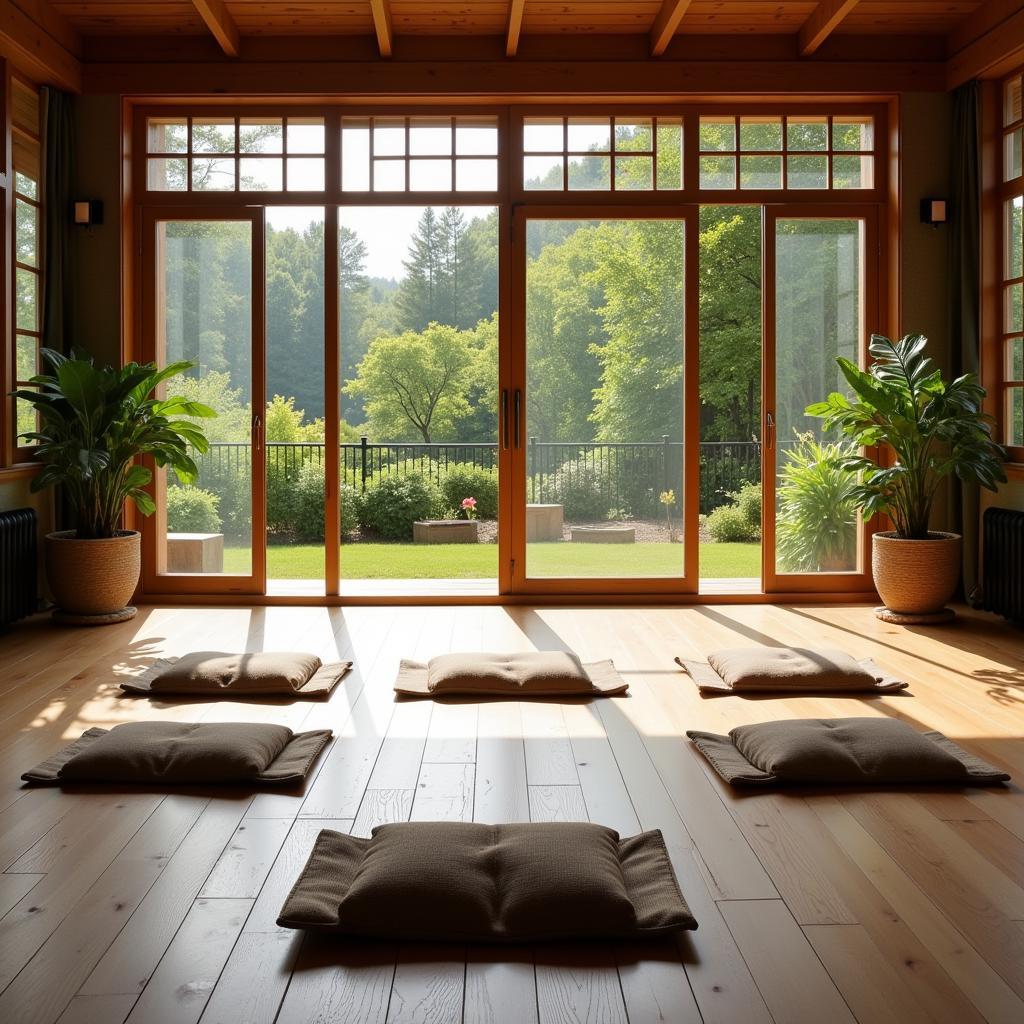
[
  {"x": 995, "y": 52},
  {"x": 822, "y": 22},
  {"x": 666, "y": 24},
  {"x": 515, "y": 27},
  {"x": 382, "y": 26},
  {"x": 219, "y": 21},
  {"x": 41, "y": 43}
]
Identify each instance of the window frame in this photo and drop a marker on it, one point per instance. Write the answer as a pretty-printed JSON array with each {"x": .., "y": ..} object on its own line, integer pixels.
[{"x": 1008, "y": 190}]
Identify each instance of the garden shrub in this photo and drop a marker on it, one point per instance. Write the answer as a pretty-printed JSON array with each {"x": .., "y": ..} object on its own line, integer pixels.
[
  {"x": 739, "y": 521},
  {"x": 462, "y": 481},
  {"x": 308, "y": 524},
  {"x": 579, "y": 490},
  {"x": 390, "y": 507},
  {"x": 192, "y": 510}
]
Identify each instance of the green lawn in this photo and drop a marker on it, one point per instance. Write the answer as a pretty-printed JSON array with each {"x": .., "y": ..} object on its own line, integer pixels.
[{"x": 480, "y": 561}]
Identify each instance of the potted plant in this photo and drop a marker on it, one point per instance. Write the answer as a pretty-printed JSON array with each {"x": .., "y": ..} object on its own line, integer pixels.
[
  {"x": 936, "y": 429},
  {"x": 92, "y": 426}
]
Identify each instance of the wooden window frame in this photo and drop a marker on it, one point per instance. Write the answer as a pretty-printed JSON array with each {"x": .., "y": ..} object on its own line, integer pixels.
[
  {"x": 509, "y": 196},
  {"x": 1005, "y": 193}
]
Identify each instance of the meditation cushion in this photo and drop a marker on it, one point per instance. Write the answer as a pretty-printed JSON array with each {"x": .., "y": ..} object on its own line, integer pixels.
[
  {"x": 534, "y": 674},
  {"x": 766, "y": 669},
  {"x": 182, "y": 753},
  {"x": 459, "y": 882},
  {"x": 842, "y": 751},
  {"x": 256, "y": 674}
]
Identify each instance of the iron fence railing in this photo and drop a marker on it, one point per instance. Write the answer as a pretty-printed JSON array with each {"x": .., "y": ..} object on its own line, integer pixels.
[{"x": 629, "y": 475}]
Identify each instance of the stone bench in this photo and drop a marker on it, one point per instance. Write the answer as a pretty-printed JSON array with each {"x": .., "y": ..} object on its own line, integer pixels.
[
  {"x": 195, "y": 552},
  {"x": 612, "y": 534},
  {"x": 544, "y": 522},
  {"x": 444, "y": 531}
]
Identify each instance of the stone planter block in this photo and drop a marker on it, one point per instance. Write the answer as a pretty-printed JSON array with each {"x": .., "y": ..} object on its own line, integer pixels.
[
  {"x": 544, "y": 522},
  {"x": 444, "y": 531},
  {"x": 195, "y": 552},
  {"x": 613, "y": 534}
]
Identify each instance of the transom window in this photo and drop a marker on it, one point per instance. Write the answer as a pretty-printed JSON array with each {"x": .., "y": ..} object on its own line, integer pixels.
[
  {"x": 235, "y": 154},
  {"x": 602, "y": 153},
  {"x": 419, "y": 154},
  {"x": 792, "y": 152}
]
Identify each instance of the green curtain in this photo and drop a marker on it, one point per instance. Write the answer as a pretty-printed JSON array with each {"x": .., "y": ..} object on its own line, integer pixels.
[
  {"x": 965, "y": 291},
  {"x": 58, "y": 157}
]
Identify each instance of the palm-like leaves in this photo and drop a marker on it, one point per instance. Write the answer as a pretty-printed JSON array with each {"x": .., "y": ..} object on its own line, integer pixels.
[
  {"x": 93, "y": 425},
  {"x": 935, "y": 428}
]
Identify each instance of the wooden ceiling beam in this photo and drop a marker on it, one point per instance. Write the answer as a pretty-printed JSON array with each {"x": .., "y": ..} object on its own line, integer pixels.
[
  {"x": 515, "y": 27},
  {"x": 381, "y": 11},
  {"x": 666, "y": 24},
  {"x": 220, "y": 23},
  {"x": 45, "y": 48},
  {"x": 822, "y": 22},
  {"x": 991, "y": 55}
]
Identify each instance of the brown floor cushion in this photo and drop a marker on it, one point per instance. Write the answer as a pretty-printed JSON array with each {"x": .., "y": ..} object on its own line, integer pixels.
[
  {"x": 223, "y": 675},
  {"x": 456, "y": 882},
  {"x": 843, "y": 751},
  {"x": 783, "y": 669},
  {"x": 534, "y": 674},
  {"x": 182, "y": 753}
]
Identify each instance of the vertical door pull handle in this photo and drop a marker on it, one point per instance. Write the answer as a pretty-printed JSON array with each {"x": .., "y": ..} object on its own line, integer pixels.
[
  {"x": 769, "y": 433},
  {"x": 504, "y": 419},
  {"x": 257, "y": 433},
  {"x": 519, "y": 412}
]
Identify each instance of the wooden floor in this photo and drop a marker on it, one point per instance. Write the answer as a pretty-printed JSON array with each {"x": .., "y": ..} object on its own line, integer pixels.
[{"x": 833, "y": 907}]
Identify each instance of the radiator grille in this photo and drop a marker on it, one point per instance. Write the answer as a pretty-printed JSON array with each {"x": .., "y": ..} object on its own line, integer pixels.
[
  {"x": 19, "y": 565},
  {"x": 1003, "y": 552}
]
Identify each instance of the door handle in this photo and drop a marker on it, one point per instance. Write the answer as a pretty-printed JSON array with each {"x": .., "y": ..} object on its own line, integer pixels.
[
  {"x": 504, "y": 419},
  {"x": 769, "y": 432},
  {"x": 518, "y": 411},
  {"x": 257, "y": 433}
]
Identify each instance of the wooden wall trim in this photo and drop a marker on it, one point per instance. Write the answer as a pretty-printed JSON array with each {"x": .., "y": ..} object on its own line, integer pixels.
[
  {"x": 520, "y": 80},
  {"x": 31, "y": 48}
]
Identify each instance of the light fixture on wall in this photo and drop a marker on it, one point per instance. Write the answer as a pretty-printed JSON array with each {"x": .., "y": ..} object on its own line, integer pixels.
[
  {"x": 934, "y": 212},
  {"x": 87, "y": 213}
]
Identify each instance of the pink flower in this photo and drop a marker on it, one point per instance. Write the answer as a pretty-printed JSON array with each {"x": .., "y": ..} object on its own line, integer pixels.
[{"x": 469, "y": 502}]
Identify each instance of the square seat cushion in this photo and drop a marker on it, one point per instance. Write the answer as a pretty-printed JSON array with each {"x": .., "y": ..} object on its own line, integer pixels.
[
  {"x": 533, "y": 674},
  {"x": 782, "y": 669},
  {"x": 841, "y": 751},
  {"x": 454, "y": 881},
  {"x": 181, "y": 753},
  {"x": 258, "y": 674}
]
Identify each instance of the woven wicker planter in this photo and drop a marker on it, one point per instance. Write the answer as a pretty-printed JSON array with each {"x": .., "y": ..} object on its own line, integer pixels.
[
  {"x": 92, "y": 577},
  {"x": 916, "y": 577}
]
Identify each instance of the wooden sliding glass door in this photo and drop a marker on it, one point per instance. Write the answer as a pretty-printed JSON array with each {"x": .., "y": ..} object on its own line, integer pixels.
[
  {"x": 820, "y": 303},
  {"x": 203, "y": 302},
  {"x": 599, "y": 411}
]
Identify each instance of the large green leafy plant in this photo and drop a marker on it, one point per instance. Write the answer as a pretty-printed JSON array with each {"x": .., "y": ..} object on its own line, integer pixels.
[
  {"x": 95, "y": 422},
  {"x": 935, "y": 428}
]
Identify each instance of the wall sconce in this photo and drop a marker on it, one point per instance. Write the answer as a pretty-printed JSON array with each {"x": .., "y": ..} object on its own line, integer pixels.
[
  {"x": 87, "y": 213},
  {"x": 934, "y": 212}
]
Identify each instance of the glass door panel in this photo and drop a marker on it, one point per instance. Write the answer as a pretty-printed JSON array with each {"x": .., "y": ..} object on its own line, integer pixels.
[
  {"x": 204, "y": 299},
  {"x": 601, "y": 424},
  {"x": 818, "y": 310}
]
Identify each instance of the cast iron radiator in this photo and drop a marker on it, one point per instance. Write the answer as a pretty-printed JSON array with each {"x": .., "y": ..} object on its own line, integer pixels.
[
  {"x": 1003, "y": 555},
  {"x": 18, "y": 564}
]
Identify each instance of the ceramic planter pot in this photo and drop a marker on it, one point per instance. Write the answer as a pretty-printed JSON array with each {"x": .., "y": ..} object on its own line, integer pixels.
[
  {"x": 916, "y": 577},
  {"x": 93, "y": 578}
]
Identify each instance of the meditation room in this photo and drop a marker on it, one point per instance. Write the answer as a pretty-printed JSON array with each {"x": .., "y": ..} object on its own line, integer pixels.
[{"x": 512, "y": 512}]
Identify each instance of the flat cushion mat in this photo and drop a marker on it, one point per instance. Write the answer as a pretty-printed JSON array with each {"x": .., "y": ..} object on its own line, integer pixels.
[
  {"x": 766, "y": 669},
  {"x": 533, "y": 674},
  {"x": 224, "y": 675},
  {"x": 459, "y": 882},
  {"x": 176, "y": 753},
  {"x": 842, "y": 751}
]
